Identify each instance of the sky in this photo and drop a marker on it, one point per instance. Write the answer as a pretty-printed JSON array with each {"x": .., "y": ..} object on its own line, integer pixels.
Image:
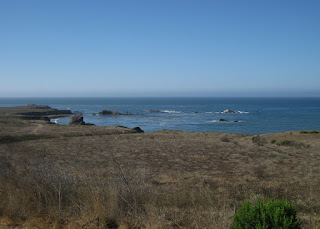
[{"x": 159, "y": 48}]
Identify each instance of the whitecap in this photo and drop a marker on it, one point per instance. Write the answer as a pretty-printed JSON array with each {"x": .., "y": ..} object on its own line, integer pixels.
[
  {"x": 229, "y": 121},
  {"x": 172, "y": 112},
  {"x": 234, "y": 112},
  {"x": 54, "y": 120}
]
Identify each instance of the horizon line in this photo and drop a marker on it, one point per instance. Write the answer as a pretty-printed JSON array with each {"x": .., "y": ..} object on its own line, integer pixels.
[{"x": 83, "y": 97}]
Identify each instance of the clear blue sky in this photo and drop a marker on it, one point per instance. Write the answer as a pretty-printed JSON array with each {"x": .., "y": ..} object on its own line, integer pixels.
[{"x": 159, "y": 48}]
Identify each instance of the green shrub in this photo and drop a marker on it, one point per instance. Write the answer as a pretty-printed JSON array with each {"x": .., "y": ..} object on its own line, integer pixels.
[
  {"x": 273, "y": 141},
  {"x": 292, "y": 143},
  {"x": 273, "y": 214},
  {"x": 284, "y": 143},
  {"x": 309, "y": 132}
]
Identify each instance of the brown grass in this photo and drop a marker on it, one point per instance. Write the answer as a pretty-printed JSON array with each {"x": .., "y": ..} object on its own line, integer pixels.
[{"x": 92, "y": 177}]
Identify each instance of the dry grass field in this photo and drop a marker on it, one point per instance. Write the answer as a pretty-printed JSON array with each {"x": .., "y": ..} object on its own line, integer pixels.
[{"x": 55, "y": 176}]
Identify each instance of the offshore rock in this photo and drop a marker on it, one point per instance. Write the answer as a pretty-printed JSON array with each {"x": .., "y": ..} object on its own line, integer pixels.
[
  {"x": 225, "y": 120},
  {"x": 153, "y": 111},
  {"x": 227, "y": 111},
  {"x": 107, "y": 112}
]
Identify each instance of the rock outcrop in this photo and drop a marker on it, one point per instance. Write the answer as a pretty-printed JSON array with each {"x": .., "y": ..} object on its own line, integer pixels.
[
  {"x": 227, "y": 111},
  {"x": 138, "y": 130},
  {"x": 76, "y": 120},
  {"x": 225, "y": 120},
  {"x": 153, "y": 111},
  {"x": 107, "y": 112}
]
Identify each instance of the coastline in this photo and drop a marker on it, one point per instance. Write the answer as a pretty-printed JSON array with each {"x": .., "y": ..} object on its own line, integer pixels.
[
  {"x": 255, "y": 116},
  {"x": 114, "y": 172},
  {"x": 46, "y": 113}
]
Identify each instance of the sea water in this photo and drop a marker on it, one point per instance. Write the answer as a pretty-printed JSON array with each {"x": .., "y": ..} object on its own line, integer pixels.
[{"x": 253, "y": 115}]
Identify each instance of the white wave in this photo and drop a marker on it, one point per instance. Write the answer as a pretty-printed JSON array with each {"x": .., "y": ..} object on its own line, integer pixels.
[
  {"x": 233, "y": 112},
  {"x": 210, "y": 112},
  {"x": 172, "y": 112},
  {"x": 54, "y": 120},
  {"x": 228, "y": 121},
  {"x": 162, "y": 123}
]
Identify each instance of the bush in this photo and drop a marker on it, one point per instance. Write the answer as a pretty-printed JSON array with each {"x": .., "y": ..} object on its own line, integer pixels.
[
  {"x": 309, "y": 132},
  {"x": 258, "y": 140},
  {"x": 284, "y": 143},
  {"x": 274, "y": 214},
  {"x": 273, "y": 141},
  {"x": 292, "y": 143}
]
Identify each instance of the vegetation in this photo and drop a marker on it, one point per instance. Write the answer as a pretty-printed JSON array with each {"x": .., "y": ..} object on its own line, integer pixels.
[
  {"x": 273, "y": 214},
  {"x": 284, "y": 143},
  {"x": 225, "y": 139},
  {"x": 258, "y": 140},
  {"x": 292, "y": 143},
  {"x": 55, "y": 176},
  {"x": 309, "y": 132}
]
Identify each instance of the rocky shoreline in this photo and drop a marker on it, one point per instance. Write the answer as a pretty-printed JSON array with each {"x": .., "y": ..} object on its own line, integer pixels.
[{"x": 46, "y": 113}]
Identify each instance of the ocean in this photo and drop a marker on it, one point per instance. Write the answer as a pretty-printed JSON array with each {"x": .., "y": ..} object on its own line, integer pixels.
[{"x": 252, "y": 115}]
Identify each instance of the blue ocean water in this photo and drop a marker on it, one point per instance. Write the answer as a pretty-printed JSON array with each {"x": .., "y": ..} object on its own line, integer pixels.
[{"x": 255, "y": 115}]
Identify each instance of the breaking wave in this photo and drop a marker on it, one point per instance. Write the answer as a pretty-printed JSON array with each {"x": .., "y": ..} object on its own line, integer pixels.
[
  {"x": 233, "y": 112},
  {"x": 172, "y": 112},
  {"x": 227, "y": 121},
  {"x": 54, "y": 120}
]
